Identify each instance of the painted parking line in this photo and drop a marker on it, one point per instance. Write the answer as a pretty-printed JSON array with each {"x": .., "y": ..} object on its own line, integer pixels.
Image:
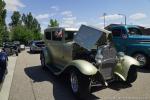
[{"x": 4, "y": 94}]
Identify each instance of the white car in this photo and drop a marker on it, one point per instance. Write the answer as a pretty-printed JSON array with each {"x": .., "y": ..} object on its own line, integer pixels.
[{"x": 22, "y": 47}]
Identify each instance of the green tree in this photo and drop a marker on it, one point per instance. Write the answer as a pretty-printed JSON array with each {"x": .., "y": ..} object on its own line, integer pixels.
[
  {"x": 16, "y": 19},
  {"x": 24, "y": 28},
  {"x": 53, "y": 23},
  {"x": 3, "y": 28},
  {"x": 32, "y": 23},
  {"x": 22, "y": 34}
]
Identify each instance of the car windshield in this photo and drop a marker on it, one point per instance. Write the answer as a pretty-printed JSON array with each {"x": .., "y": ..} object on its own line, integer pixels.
[
  {"x": 16, "y": 42},
  {"x": 69, "y": 35},
  {"x": 134, "y": 31},
  {"x": 41, "y": 42}
]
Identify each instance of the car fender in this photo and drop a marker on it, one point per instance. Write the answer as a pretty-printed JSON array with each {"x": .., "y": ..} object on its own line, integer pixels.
[
  {"x": 124, "y": 65},
  {"x": 46, "y": 54},
  {"x": 83, "y": 66}
]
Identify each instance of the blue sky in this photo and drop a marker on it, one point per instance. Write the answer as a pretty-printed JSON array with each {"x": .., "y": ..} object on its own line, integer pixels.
[{"x": 73, "y": 13}]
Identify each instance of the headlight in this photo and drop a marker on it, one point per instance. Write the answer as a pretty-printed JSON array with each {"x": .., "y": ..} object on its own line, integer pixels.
[
  {"x": 98, "y": 57},
  {"x": 121, "y": 54}
]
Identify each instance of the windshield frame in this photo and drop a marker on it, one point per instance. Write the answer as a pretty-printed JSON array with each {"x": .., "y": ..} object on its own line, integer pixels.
[{"x": 133, "y": 28}]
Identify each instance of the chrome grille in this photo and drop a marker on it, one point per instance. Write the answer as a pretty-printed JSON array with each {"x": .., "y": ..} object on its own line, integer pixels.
[
  {"x": 108, "y": 62},
  {"x": 107, "y": 70}
]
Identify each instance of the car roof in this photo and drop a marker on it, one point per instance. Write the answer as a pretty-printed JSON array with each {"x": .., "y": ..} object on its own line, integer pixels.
[
  {"x": 65, "y": 28},
  {"x": 126, "y": 26}
]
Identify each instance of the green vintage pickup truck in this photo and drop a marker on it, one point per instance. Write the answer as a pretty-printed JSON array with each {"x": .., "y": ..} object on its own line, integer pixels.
[
  {"x": 87, "y": 57},
  {"x": 130, "y": 40}
]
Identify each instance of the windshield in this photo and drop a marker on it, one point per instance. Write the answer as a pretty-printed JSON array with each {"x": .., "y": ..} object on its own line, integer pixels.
[
  {"x": 134, "y": 31},
  {"x": 39, "y": 42},
  {"x": 69, "y": 35}
]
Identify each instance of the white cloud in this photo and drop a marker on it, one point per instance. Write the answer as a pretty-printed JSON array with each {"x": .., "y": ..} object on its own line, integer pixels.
[
  {"x": 100, "y": 25},
  {"x": 42, "y": 16},
  {"x": 69, "y": 21},
  {"x": 112, "y": 17},
  {"x": 56, "y": 8},
  {"x": 45, "y": 23},
  {"x": 138, "y": 16},
  {"x": 67, "y": 13},
  {"x": 80, "y": 23},
  {"x": 14, "y": 5}
]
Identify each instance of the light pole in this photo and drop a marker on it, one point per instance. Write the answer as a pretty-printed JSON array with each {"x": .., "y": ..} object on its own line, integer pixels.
[
  {"x": 104, "y": 19},
  {"x": 125, "y": 21}
]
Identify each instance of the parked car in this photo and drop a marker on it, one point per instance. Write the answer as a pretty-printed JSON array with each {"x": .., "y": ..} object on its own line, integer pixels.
[
  {"x": 87, "y": 56},
  {"x": 10, "y": 48},
  {"x": 3, "y": 65},
  {"x": 17, "y": 44},
  {"x": 22, "y": 47},
  {"x": 36, "y": 46},
  {"x": 129, "y": 39}
]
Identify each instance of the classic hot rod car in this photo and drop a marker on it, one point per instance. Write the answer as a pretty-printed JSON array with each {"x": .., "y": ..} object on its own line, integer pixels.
[{"x": 87, "y": 56}]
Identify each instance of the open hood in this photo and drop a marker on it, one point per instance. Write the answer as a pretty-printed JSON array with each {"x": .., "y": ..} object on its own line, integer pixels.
[{"x": 88, "y": 37}]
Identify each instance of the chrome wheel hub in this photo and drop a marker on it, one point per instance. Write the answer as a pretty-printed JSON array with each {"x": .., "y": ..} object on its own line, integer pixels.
[
  {"x": 141, "y": 58},
  {"x": 74, "y": 82}
]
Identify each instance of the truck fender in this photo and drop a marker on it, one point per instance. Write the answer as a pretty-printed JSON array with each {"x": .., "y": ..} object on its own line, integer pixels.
[
  {"x": 124, "y": 65},
  {"x": 83, "y": 66}
]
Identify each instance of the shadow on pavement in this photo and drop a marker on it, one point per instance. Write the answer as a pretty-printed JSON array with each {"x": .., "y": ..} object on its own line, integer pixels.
[
  {"x": 61, "y": 89},
  {"x": 37, "y": 52},
  {"x": 144, "y": 70},
  {"x": 118, "y": 85}
]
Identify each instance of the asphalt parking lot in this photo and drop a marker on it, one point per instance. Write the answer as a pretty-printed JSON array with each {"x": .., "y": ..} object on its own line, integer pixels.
[{"x": 30, "y": 82}]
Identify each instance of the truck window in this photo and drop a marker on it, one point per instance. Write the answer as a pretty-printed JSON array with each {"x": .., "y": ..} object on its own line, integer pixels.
[
  {"x": 57, "y": 35},
  {"x": 116, "y": 32},
  {"x": 48, "y": 35},
  {"x": 69, "y": 36},
  {"x": 134, "y": 31}
]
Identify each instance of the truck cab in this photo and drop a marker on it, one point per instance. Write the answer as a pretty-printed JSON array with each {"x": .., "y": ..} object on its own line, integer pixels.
[{"x": 130, "y": 40}]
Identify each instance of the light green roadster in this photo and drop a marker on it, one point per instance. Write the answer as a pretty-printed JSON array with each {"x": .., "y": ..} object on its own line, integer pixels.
[{"x": 87, "y": 56}]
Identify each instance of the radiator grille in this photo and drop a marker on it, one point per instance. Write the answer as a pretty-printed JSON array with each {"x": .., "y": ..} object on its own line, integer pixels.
[
  {"x": 108, "y": 61},
  {"x": 107, "y": 70}
]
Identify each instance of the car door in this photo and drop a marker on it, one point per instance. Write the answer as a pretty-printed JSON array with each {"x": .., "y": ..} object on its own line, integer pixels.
[
  {"x": 68, "y": 47},
  {"x": 57, "y": 47}
]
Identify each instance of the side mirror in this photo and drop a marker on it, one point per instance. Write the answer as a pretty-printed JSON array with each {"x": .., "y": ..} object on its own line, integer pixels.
[{"x": 121, "y": 54}]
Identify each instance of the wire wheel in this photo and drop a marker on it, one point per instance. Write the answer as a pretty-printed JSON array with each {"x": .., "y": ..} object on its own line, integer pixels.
[
  {"x": 141, "y": 58},
  {"x": 74, "y": 82}
]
